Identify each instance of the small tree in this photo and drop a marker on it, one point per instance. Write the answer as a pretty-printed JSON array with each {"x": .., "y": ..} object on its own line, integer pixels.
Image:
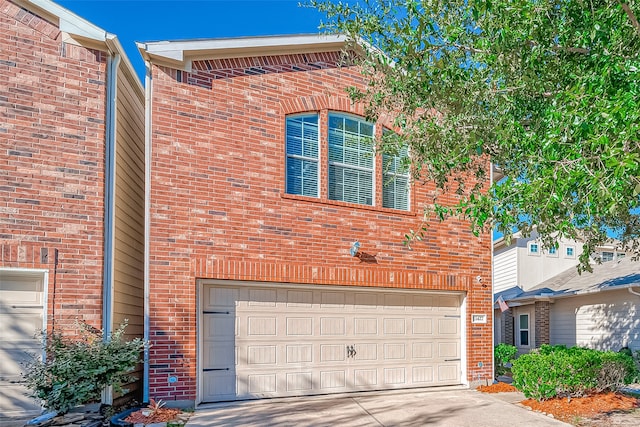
[{"x": 76, "y": 370}]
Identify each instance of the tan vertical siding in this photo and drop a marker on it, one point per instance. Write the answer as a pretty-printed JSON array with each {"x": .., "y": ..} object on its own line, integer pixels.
[{"x": 129, "y": 213}]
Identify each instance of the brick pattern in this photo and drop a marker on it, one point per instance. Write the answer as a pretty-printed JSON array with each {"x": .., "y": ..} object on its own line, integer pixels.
[
  {"x": 52, "y": 97},
  {"x": 219, "y": 211},
  {"x": 508, "y": 327},
  {"x": 205, "y": 71},
  {"x": 542, "y": 311}
]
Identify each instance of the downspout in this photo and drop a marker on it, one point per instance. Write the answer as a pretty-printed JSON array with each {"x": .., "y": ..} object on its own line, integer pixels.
[
  {"x": 493, "y": 322},
  {"x": 113, "y": 61},
  {"x": 147, "y": 223}
]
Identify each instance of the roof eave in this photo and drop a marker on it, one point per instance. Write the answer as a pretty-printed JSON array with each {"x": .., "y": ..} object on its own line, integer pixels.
[{"x": 180, "y": 54}]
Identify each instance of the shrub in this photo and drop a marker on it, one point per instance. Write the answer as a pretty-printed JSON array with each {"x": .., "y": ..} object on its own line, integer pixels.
[
  {"x": 76, "y": 370},
  {"x": 503, "y": 354},
  {"x": 560, "y": 371}
]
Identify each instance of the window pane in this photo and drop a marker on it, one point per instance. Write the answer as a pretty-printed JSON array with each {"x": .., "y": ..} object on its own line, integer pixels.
[
  {"x": 395, "y": 185},
  {"x": 524, "y": 338},
  {"x": 524, "y": 321},
  {"x": 351, "y": 159},
  {"x": 302, "y": 154}
]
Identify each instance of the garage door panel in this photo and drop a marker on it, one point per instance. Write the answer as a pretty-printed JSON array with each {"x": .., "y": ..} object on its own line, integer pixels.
[
  {"x": 262, "y": 298},
  {"x": 422, "y": 326},
  {"x": 365, "y": 326},
  {"x": 332, "y": 353},
  {"x": 332, "y": 300},
  {"x": 299, "y": 326},
  {"x": 365, "y": 301},
  {"x": 394, "y": 326},
  {"x": 448, "y": 373},
  {"x": 331, "y": 380},
  {"x": 296, "y": 341},
  {"x": 365, "y": 378},
  {"x": 448, "y": 326},
  {"x": 302, "y": 299},
  {"x": 332, "y": 326},
  {"x": 299, "y": 353},
  {"x": 422, "y": 350},
  {"x": 219, "y": 298},
  {"x": 395, "y": 376},
  {"x": 261, "y": 326},
  {"x": 422, "y": 375},
  {"x": 21, "y": 320},
  {"x": 394, "y": 351},
  {"x": 299, "y": 382}
]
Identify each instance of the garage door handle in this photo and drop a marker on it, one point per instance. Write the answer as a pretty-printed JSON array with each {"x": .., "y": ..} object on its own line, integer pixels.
[
  {"x": 215, "y": 312},
  {"x": 451, "y": 360},
  {"x": 214, "y": 369}
]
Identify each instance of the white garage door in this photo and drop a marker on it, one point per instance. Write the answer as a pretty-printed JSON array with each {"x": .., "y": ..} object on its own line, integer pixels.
[
  {"x": 21, "y": 311},
  {"x": 275, "y": 342}
]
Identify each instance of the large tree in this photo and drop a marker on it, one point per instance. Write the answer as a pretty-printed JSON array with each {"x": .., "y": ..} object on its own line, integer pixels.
[{"x": 548, "y": 90}]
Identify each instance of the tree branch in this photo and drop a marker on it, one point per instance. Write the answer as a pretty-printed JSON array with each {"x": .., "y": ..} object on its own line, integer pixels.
[{"x": 631, "y": 15}]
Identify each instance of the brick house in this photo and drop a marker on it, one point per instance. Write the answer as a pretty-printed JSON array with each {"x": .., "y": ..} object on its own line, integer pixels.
[
  {"x": 262, "y": 180},
  {"x": 71, "y": 183}
]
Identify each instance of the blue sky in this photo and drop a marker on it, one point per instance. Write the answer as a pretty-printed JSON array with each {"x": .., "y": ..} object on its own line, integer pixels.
[{"x": 154, "y": 20}]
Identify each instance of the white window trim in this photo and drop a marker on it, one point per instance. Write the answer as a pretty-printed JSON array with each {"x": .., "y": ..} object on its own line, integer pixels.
[
  {"x": 386, "y": 175},
  {"x": 530, "y": 252},
  {"x": 329, "y": 163},
  {"x": 304, "y": 158},
  {"x": 573, "y": 248},
  {"x": 528, "y": 313}
]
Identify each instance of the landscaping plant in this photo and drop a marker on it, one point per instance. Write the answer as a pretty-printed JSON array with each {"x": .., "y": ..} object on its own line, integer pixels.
[
  {"x": 77, "y": 369},
  {"x": 552, "y": 371},
  {"x": 503, "y": 354}
]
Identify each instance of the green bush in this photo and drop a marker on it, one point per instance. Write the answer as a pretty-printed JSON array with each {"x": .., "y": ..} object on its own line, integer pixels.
[
  {"x": 76, "y": 370},
  {"x": 503, "y": 354},
  {"x": 560, "y": 371}
]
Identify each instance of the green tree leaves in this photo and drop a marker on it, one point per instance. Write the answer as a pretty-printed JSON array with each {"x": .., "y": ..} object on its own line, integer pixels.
[{"x": 547, "y": 90}]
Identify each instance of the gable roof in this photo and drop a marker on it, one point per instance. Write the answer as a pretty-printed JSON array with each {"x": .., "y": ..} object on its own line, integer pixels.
[{"x": 612, "y": 275}]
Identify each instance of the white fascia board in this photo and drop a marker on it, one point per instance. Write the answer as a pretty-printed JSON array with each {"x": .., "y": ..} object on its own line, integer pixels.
[
  {"x": 182, "y": 52},
  {"x": 69, "y": 22}
]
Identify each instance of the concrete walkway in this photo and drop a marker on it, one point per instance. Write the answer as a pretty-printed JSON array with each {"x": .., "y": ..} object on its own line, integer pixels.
[{"x": 454, "y": 407}]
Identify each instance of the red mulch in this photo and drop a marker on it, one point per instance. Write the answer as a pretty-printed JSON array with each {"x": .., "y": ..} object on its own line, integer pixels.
[
  {"x": 161, "y": 415},
  {"x": 568, "y": 409},
  {"x": 497, "y": 388}
]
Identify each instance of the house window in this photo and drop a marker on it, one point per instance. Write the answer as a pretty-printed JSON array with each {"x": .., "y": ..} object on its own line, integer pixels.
[
  {"x": 302, "y": 155},
  {"x": 523, "y": 329},
  {"x": 606, "y": 256},
  {"x": 395, "y": 184},
  {"x": 351, "y": 159},
  {"x": 552, "y": 250},
  {"x": 534, "y": 249},
  {"x": 620, "y": 255},
  {"x": 570, "y": 251}
]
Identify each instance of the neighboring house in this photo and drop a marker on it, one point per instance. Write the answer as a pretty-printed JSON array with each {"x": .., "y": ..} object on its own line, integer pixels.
[
  {"x": 524, "y": 263},
  {"x": 71, "y": 184},
  {"x": 598, "y": 310},
  {"x": 262, "y": 180}
]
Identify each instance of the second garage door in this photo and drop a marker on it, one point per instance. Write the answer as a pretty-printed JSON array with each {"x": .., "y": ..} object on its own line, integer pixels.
[{"x": 274, "y": 342}]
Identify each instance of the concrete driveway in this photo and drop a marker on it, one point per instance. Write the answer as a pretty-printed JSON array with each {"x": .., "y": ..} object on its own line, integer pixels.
[{"x": 454, "y": 407}]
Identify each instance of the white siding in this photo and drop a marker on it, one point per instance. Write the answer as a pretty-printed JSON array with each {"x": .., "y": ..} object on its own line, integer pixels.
[
  {"x": 604, "y": 321},
  {"x": 505, "y": 269}
]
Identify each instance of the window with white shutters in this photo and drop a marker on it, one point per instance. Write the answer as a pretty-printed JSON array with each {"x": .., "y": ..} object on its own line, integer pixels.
[
  {"x": 302, "y": 155},
  {"x": 395, "y": 181},
  {"x": 351, "y": 159}
]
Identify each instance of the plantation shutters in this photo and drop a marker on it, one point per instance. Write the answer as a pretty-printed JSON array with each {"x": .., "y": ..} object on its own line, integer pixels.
[
  {"x": 351, "y": 160},
  {"x": 302, "y": 155}
]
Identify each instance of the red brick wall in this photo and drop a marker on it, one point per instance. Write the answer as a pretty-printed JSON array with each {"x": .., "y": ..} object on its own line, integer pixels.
[
  {"x": 219, "y": 209},
  {"x": 52, "y": 98}
]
